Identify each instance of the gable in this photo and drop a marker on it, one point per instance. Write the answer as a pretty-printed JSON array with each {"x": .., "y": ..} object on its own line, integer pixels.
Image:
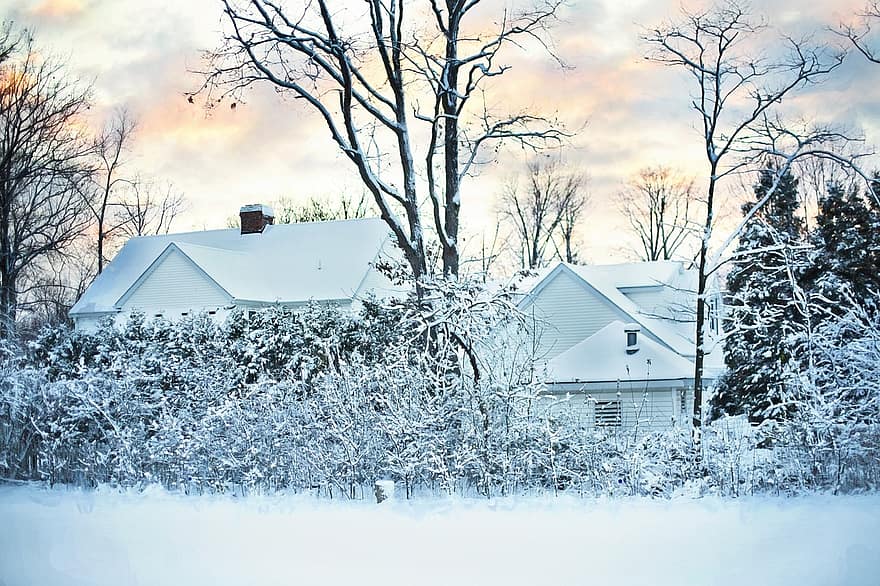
[
  {"x": 174, "y": 285},
  {"x": 565, "y": 311}
]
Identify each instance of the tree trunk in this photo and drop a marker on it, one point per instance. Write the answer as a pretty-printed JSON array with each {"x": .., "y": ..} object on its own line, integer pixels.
[
  {"x": 7, "y": 279},
  {"x": 699, "y": 357},
  {"x": 100, "y": 244},
  {"x": 450, "y": 145}
]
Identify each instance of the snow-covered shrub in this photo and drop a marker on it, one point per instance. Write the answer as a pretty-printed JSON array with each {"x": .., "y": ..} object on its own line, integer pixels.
[{"x": 434, "y": 393}]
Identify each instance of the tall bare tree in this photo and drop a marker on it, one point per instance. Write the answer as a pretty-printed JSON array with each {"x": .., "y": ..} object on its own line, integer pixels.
[
  {"x": 565, "y": 241},
  {"x": 44, "y": 163},
  {"x": 149, "y": 207},
  {"x": 660, "y": 206},
  {"x": 736, "y": 92},
  {"x": 111, "y": 146},
  {"x": 545, "y": 208},
  {"x": 374, "y": 76}
]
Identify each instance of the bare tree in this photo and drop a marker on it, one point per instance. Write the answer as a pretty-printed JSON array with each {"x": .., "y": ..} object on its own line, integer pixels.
[
  {"x": 860, "y": 36},
  {"x": 547, "y": 207},
  {"x": 570, "y": 219},
  {"x": 316, "y": 209},
  {"x": 44, "y": 163},
  {"x": 373, "y": 76},
  {"x": 660, "y": 206},
  {"x": 110, "y": 149},
  {"x": 815, "y": 175},
  {"x": 737, "y": 93},
  {"x": 149, "y": 208}
]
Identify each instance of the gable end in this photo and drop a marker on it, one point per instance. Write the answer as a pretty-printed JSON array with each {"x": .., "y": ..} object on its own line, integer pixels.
[{"x": 173, "y": 283}]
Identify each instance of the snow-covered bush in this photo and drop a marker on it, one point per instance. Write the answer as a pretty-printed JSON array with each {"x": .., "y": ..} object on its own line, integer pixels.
[{"x": 425, "y": 392}]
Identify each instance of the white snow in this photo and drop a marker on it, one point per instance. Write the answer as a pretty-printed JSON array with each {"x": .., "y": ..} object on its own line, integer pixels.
[
  {"x": 603, "y": 357},
  {"x": 74, "y": 538},
  {"x": 287, "y": 263}
]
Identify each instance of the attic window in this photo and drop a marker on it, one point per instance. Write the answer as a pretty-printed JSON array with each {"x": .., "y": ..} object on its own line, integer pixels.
[
  {"x": 607, "y": 413},
  {"x": 632, "y": 338}
]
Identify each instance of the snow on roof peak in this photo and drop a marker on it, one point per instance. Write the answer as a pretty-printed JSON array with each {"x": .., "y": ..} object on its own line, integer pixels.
[{"x": 286, "y": 263}]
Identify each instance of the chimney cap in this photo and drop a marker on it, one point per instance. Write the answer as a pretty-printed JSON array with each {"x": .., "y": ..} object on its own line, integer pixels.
[
  {"x": 632, "y": 327},
  {"x": 257, "y": 207}
]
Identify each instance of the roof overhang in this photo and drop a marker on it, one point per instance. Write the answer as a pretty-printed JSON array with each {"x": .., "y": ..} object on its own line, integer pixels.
[{"x": 562, "y": 388}]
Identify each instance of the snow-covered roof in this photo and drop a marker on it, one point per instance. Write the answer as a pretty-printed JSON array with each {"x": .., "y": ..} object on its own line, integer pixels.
[
  {"x": 639, "y": 274},
  {"x": 599, "y": 279},
  {"x": 286, "y": 263},
  {"x": 603, "y": 357}
]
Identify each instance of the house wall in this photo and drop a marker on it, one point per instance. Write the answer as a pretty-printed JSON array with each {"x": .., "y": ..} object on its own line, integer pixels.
[
  {"x": 564, "y": 313},
  {"x": 676, "y": 308},
  {"x": 651, "y": 300},
  {"x": 654, "y": 410},
  {"x": 175, "y": 286},
  {"x": 88, "y": 323}
]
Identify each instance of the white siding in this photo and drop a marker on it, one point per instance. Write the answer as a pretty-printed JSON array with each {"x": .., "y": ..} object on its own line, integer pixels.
[
  {"x": 564, "y": 313},
  {"x": 651, "y": 300},
  {"x": 88, "y": 323},
  {"x": 377, "y": 284},
  {"x": 176, "y": 286},
  {"x": 675, "y": 307},
  {"x": 653, "y": 410}
]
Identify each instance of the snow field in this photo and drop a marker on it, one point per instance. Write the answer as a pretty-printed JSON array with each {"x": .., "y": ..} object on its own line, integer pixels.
[{"x": 95, "y": 538}]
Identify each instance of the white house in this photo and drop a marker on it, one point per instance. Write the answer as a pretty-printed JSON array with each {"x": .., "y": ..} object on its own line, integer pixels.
[
  {"x": 617, "y": 341},
  {"x": 258, "y": 265}
]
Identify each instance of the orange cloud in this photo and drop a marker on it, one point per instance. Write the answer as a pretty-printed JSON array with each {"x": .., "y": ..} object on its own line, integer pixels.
[{"x": 58, "y": 8}]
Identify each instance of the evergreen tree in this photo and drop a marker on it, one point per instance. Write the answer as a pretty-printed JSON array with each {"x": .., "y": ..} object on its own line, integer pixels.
[
  {"x": 846, "y": 260},
  {"x": 761, "y": 287}
]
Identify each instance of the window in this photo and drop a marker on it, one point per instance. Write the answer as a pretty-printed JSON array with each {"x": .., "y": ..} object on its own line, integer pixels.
[
  {"x": 714, "y": 315},
  {"x": 608, "y": 413},
  {"x": 632, "y": 338}
]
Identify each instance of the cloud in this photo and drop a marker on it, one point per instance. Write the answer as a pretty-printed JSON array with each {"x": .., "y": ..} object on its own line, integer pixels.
[
  {"x": 637, "y": 113},
  {"x": 58, "y": 9}
]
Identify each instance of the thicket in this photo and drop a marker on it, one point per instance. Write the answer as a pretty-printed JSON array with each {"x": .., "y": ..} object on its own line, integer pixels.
[{"x": 437, "y": 395}]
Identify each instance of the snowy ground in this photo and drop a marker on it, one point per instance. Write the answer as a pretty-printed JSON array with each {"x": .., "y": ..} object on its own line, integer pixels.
[{"x": 71, "y": 538}]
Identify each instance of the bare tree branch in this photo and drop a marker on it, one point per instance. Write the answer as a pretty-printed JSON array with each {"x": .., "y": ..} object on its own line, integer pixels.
[
  {"x": 367, "y": 75},
  {"x": 738, "y": 92},
  {"x": 44, "y": 163},
  {"x": 547, "y": 207},
  {"x": 661, "y": 207}
]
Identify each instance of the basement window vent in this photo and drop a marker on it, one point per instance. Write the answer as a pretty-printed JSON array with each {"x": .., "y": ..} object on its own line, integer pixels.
[{"x": 608, "y": 413}]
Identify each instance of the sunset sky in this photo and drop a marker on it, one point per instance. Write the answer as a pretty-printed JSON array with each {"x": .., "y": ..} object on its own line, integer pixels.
[{"x": 629, "y": 113}]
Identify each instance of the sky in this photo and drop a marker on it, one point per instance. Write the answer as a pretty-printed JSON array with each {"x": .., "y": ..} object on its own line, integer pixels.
[{"x": 626, "y": 113}]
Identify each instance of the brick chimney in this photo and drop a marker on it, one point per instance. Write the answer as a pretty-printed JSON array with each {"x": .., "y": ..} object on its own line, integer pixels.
[{"x": 255, "y": 218}]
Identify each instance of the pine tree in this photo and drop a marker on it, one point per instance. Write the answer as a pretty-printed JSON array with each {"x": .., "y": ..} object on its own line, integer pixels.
[
  {"x": 761, "y": 287},
  {"x": 846, "y": 260}
]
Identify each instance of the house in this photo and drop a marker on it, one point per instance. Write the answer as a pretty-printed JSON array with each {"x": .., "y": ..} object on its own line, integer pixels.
[
  {"x": 258, "y": 265},
  {"x": 616, "y": 342}
]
